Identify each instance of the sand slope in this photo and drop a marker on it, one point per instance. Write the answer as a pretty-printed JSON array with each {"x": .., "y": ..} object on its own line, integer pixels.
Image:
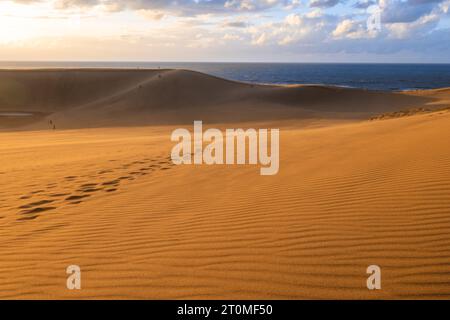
[
  {"x": 346, "y": 196},
  {"x": 103, "y": 98},
  {"x": 350, "y": 192}
]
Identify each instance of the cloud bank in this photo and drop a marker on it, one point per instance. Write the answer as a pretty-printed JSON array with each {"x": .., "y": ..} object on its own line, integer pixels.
[{"x": 234, "y": 29}]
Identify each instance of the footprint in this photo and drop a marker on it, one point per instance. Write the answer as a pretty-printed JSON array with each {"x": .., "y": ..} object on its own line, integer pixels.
[
  {"x": 37, "y": 210},
  {"x": 34, "y": 204},
  {"x": 89, "y": 190},
  {"x": 88, "y": 185},
  {"x": 71, "y": 198},
  {"x": 27, "y": 218},
  {"x": 111, "y": 183}
]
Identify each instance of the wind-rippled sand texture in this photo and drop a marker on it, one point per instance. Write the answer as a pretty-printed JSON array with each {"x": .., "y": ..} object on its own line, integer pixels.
[{"x": 349, "y": 194}]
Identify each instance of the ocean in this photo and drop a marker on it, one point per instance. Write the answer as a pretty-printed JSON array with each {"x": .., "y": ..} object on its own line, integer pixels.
[{"x": 356, "y": 75}]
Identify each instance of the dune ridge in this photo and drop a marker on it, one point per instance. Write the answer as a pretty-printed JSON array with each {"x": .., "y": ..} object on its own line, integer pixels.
[{"x": 82, "y": 98}]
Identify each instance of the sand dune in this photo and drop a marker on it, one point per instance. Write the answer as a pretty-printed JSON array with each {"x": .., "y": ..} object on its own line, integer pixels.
[
  {"x": 104, "y": 98},
  {"x": 348, "y": 194}
]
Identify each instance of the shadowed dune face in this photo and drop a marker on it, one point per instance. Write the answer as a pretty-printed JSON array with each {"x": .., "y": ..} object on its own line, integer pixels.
[
  {"x": 18, "y": 119},
  {"x": 102, "y": 98},
  {"x": 56, "y": 90}
]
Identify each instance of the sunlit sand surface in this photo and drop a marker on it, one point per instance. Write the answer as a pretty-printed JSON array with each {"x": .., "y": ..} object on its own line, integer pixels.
[{"x": 100, "y": 190}]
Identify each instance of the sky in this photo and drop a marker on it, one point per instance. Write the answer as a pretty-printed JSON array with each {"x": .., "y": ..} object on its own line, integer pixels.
[{"x": 226, "y": 30}]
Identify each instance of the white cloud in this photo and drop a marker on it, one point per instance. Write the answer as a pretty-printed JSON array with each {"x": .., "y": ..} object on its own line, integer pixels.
[
  {"x": 400, "y": 11},
  {"x": 315, "y": 13},
  {"x": 405, "y": 30},
  {"x": 232, "y": 37},
  {"x": 311, "y": 27},
  {"x": 445, "y": 6},
  {"x": 352, "y": 30},
  {"x": 293, "y": 20},
  {"x": 260, "y": 40},
  {"x": 151, "y": 14}
]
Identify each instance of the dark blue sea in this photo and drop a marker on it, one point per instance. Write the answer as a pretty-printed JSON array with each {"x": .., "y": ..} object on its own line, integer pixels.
[{"x": 356, "y": 75}]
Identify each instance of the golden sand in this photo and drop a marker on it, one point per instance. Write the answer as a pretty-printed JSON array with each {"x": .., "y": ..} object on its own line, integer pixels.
[{"x": 101, "y": 191}]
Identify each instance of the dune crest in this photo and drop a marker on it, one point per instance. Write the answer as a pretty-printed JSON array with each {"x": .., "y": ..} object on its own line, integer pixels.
[{"x": 86, "y": 98}]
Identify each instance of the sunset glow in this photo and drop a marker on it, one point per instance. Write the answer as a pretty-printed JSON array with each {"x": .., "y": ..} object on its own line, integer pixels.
[{"x": 219, "y": 30}]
